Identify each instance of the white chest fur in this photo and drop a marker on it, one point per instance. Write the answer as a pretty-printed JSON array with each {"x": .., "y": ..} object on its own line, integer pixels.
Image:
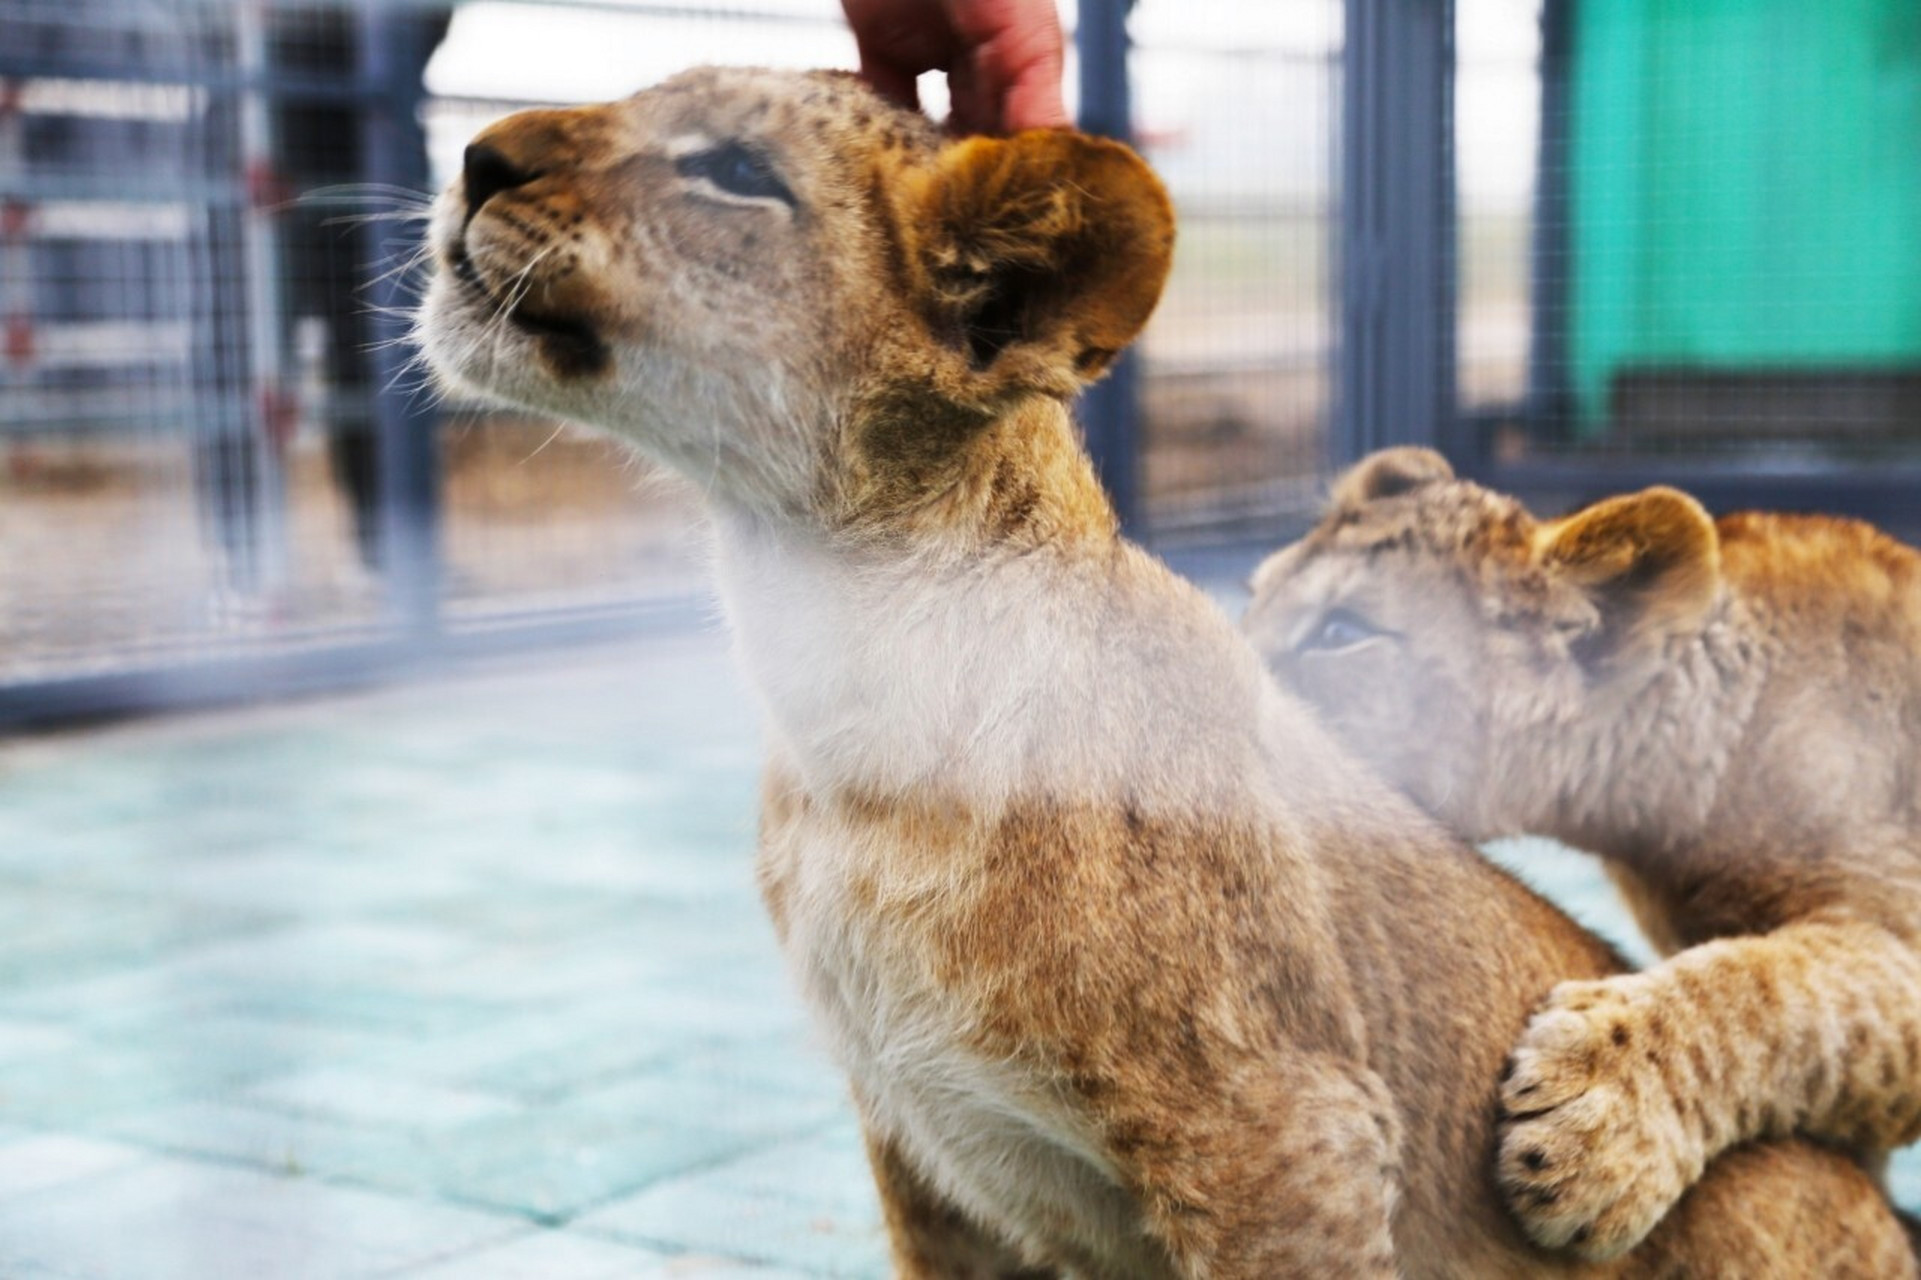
[
  {"x": 983, "y": 680},
  {"x": 897, "y": 674}
]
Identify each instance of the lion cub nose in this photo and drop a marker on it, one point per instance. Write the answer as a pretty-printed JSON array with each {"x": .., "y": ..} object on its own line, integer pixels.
[{"x": 487, "y": 172}]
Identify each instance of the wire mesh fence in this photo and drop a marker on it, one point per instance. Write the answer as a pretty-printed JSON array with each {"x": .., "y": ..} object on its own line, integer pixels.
[
  {"x": 169, "y": 298},
  {"x": 1238, "y": 110},
  {"x": 1646, "y": 233},
  {"x": 206, "y": 207},
  {"x": 1712, "y": 257}
]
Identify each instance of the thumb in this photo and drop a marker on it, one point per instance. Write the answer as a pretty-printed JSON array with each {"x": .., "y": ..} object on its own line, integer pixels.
[
  {"x": 1034, "y": 103},
  {"x": 890, "y": 81}
]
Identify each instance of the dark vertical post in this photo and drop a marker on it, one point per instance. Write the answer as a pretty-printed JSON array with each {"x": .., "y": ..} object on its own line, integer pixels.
[
  {"x": 395, "y": 42},
  {"x": 1550, "y": 399},
  {"x": 1396, "y": 359},
  {"x": 1110, "y": 410}
]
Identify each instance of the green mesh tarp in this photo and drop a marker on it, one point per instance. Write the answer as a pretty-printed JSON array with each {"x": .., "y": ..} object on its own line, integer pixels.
[{"x": 1746, "y": 186}]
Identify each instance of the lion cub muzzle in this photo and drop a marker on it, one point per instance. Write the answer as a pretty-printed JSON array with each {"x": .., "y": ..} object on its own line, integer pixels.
[{"x": 526, "y": 243}]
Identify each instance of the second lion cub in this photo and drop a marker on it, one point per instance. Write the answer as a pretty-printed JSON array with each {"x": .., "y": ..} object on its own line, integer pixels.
[{"x": 1730, "y": 712}]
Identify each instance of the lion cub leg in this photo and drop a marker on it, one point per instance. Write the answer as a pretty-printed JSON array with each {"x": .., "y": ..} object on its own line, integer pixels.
[
  {"x": 1290, "y": 1173},
  {"x": 930, "y": 1238},
  {"x": 1623, "y": 1089},
  {"x": 1295, "y": 1173},
  {"x": 1779, "y": 1211}
]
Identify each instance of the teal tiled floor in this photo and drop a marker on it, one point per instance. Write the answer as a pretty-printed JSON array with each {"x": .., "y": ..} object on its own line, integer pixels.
[
  {"x": 465, "y": 979},
  {"x": 460, "y": 980}
]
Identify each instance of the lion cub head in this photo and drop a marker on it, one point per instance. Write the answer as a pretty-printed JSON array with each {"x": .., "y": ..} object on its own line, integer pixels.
[
  {"x": 1431, "y": 620},
  {"x": 807, "y": 300}
]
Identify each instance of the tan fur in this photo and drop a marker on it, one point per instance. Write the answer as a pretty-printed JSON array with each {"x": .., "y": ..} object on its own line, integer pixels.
[
  {"x": 1133, "y": 972},
  {"x": 1731, "y": 713}
]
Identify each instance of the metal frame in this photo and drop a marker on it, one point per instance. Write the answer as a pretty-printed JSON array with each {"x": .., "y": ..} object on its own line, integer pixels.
[
  {"x": 1549, "y": 396},
  {"x": 331, "y": 667},
  {"x": 394, "y": 150},
  {"x": 1888, "y": 496},
  {"x": 1395, "y": 378},
  {"x": 1110, "y": 411}
]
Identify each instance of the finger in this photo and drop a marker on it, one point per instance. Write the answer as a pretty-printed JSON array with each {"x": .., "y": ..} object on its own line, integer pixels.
[
  {"x": 1015, "y": 57},
  {"x": 969, "y": 109},
  {"x": 897, "y": 42},
  {"x": 891, "y": 82},
  {"x": 1019, "y": 78},
  {"x": 1034, "y": 102}
]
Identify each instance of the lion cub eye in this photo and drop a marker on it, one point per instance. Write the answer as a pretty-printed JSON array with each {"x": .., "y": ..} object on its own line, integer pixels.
[
  {"x": 738, "y": 170},
  {"x": 1339, "y": 629}
]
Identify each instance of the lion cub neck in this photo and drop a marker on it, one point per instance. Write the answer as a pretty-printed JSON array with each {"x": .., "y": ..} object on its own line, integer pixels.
[
  {"x": 1022, "y": 482},
  {"x": 1633, "y": 767},
  {"x": 997, "y": 641}
]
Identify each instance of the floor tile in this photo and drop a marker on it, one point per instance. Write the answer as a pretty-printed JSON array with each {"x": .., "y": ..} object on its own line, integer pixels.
[
  {"x": 175, "y": 1220},
  {"x": 367, "y": 1097},
  {"x": 544, "y": 1255},
  {"x": 36, "y": 1163},
  {"x": 808, "y": 1204}
]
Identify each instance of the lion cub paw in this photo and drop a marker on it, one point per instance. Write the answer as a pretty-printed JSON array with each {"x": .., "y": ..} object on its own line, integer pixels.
[{"x": 1593, "y": 1147}]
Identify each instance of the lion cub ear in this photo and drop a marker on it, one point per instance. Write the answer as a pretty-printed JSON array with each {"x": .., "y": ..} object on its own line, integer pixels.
[
  {"x": 1040, "y": 256},
  {"x": 1390, "y": 473},
  {"x": 1649, "y": 562}
]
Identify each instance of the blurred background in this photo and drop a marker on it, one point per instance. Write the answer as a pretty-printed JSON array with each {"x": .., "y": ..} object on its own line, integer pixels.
[
  {"x": 489, "y": 946},
  {"x": 1577, "y": 246}
]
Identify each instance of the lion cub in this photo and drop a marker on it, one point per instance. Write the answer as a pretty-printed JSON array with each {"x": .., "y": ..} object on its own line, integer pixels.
[
  {"x": 1133, "y": 972},
  {"x": 1730, "y": 712}
]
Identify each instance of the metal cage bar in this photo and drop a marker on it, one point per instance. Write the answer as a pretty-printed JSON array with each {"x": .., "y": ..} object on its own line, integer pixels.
[
  {"x": 1110, "y": 411},
  {"x": 394, "y": 157},
  {"x": 1395, "y": 364}
]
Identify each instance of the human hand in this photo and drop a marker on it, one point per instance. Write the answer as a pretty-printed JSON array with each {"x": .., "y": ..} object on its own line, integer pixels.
[{"x": 1002, "y": 57}]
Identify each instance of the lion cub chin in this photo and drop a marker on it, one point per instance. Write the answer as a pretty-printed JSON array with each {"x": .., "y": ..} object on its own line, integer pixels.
[
  {"x": 1133, "y": 974},
  {"x": 1730, "y": 712}
]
